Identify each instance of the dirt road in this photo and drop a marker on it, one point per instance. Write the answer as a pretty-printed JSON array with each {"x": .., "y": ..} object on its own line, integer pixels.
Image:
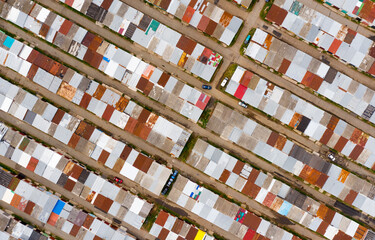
[
  {"x": 229, "y": 55},
  {"x": 76, "y": 200},
  {"x": 185, "y": 169}
]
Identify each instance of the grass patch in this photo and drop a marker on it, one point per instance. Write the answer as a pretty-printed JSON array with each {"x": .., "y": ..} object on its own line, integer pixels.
[
  {"x": 29, "y": 91},
  {"x": 251, "y": 6},
  {"x": 218, "y": 237},
  {"x": 150, "y": 219},
  {"x": 91, "y": 169},
  {"x": 188, "y": 147},
  {"x": 230, "y": 71},
  {"x": 205, "y": 117},
  {"x": 11, "y": 170},
  {"x": 65, "y": 199},
  {"x": 265, "y": 9},
  {"x": 145, "y": 153}
]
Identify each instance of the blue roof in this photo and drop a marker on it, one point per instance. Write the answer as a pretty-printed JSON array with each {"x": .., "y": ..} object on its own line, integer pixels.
[
  {"x": 58, "y": 207},
  {"x": 8, "y": 42},
  {"x": 285, "y": 208}
]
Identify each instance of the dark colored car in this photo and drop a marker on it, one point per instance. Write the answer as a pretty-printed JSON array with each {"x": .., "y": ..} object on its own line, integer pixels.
[
  {"x": 169, "y": 183},
  {"x": 118, "y": 180},
  {"x": 208, "y": 87}
]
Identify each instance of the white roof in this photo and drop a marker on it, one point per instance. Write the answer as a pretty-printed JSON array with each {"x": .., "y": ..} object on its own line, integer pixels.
[
  {"x": 8, "y": 196},
  {"x": 43, "y": 14},
  {"x": 137, "y": 205},
  {"x": 13, "y": 14},
  {"x": 259, "y": 36},
  {"x": 134, "y": 61},
  {"x": 253, "y": 49},
  {"x": 227, "y": 36},
  {"x": 129, "y": 171},
  {"x": 167, "y": 129},
  {"x": 25, "y": 67},
  {"x": 111, "y": 68},
  {"x": 323, "y": 69},
  {"x": 237, "y": 75}
]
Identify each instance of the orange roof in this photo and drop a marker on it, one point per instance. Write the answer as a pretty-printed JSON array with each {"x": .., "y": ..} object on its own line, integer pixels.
[{"x": 334, "y": 46}]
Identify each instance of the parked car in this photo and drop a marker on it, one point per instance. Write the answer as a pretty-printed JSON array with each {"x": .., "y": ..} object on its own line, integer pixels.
[
  {"x": 224, "y": 82},
  {"x": 208, "y": 87},
  {"x": 169, "y": 183},
  {"x": 117, "y": 180},
  {"x": 243, "y": 104},
  {"x": 331, "y": 156},
  {"x": 247, "y": 40}
]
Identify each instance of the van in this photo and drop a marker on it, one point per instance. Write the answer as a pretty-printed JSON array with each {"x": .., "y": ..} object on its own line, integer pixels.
[
  {"x": 224, "y": 82},
  {"x": 247, "y": 40}
]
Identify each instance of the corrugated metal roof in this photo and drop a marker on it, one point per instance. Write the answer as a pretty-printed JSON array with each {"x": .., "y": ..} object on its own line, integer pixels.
[{"x": 50, "y": 203}]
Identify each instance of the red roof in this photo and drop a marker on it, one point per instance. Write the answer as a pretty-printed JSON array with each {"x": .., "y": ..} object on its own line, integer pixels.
[
  {"x": 106, "y": 4},
  {"x": 249, "y": 234},
  {"x": 202, "y": 101},
  {"x": 65, "y": 27},
  {"x": 108, "y": 112},
  {"x": 372, "y": 69},
  {"x": 32, "y": 164},
  {"x": 188, "y": 14},
  {"x": 162, "y": 218},
  {"x": 203, "y": 23},
  {"x": 240, "y": 91},
  {"x": 69, "y": 2},
  {"x": 340, "y": 144},
  {"x": 276, "y": 14},
  {"x": 246, "y": 77}
]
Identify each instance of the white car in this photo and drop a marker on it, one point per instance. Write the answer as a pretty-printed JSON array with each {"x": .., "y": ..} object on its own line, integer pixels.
[
  {"x": 331, "y": 156},
  {"x": 242, "y": 104},
  {"x": 224, "y": 82}
]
